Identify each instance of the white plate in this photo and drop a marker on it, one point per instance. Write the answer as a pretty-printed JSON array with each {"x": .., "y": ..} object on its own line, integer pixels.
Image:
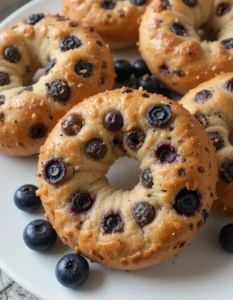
[{"x": 202, "y": 270}]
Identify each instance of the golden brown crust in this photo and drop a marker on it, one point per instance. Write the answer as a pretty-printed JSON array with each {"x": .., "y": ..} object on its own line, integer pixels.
[
  {"x": 135, "y": 247},
  {"x": 38, "y": 45},
  {"x": 117, "y": 26},
  {"x": 216, "y": 115},
  {"x": 184, "y": 61}
]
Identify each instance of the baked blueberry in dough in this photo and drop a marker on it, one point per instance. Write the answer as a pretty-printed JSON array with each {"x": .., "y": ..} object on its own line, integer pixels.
[{"x": 150, "y": 223}]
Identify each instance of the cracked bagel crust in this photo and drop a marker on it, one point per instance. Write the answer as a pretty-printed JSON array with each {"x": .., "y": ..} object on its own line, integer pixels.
[
  {"x": 77, "y": 64},
  {"x": 212, "y": 104},
  {"x": 174, "y": 52},
  {"x": 118, "y": 25},
  {"x": 110, "y": 231}
]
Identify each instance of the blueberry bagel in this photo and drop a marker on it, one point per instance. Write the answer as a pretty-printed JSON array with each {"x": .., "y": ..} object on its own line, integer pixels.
[
  {"x": 173, "y": 49},
  {"x": 76, "y": 64},
  {"x": 116, "y": 21},
  {"x": 162, "y": 213},
  {"x": 212, "y": 104}
]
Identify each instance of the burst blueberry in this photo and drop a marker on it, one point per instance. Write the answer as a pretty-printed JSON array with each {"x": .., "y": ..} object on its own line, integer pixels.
[{"x": 54, "y": 171}]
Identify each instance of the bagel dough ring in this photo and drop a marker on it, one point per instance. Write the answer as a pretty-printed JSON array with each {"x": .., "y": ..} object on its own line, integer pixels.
[
  {"x": 162, "y": 213},
  {"x": 116, "y": 21},
  {"x": 172, "y": 48},
  {"x": 212, "y": 104},
  {"x": 77, "y": 65}
]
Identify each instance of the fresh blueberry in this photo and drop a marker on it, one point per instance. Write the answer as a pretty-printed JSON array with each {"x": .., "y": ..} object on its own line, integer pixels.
[
  {"x": 226, "y": 238},
  {"x": 39, "y": 235},
  {"x": 140, "y": 68},
  {"x": 25, "y": 198},
  {"x": 123, "y": 70},
  {"x": 72, "y": 270},
  {"x": 166, "y": 92},
  {"x": 148, "y": 83}
]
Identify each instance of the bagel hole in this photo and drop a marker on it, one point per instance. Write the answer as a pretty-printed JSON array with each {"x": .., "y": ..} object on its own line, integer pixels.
[
  {"x": 206, "y": 34},
  {"x": 124, "y": 173},
  {"x": 39, "y": 72},
  {"x": 230, "y": 138}
]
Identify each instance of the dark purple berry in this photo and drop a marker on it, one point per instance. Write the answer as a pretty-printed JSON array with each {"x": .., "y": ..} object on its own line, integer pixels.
[
  {"x": 37, "y": 131},
  {"x": 95, "y": 149},
  {"x": 148, "y": 83},
  {"x": 25, "y": 198},
  {"x": 143, "y": 213},
  {"x": 166, "y": 92},
  {"x": 217, "y": 140},
  {"x": 50, "y": 65},
  {"x": 190, "y": 3},
  {"x": 165, "y": 154},
  {"x": 226, "y": 238},
  {"x": 159, "y": 115},
  {"x": 223, "y": 9},
  {"x": 72, "y": 124},
  {"x": 179, "y": 29},
  {"x": 134, "y": 139},
  {"x": 2, "y": 99},
  {"x": 26, "y": 89},
  {"x": 4, "y": 79},
  {"x": 229, "y": 85},
  {"x": 39, "y": 236},
  {"x": 12, "y": 54},
  {"x": 138, "y": 2},
  {"x": 113, "y": 121},
  {"x": 203, "y": 96},
  {"x": 72, "y": 271},
  {"x": 147, "y": 178},
  {"x": 70, "y": 43},
  {"x": 227, "y": 43},
  {"x": 140, "y": 68},
  {"x": 112, "y": 222},
  {"x": 59, "y": 90},
  {"x": 81, "y": 202},
  {"x": 54, "y": 171},
  {"x": 108, "y": 4},
  {"x": 202, "y": 119},
  {"x": 84, "y": 68},
  {"x": 187, "y": 202},
  {"x": 123, "y": 69},
  {"x": 226, "y": 171},
  {"x": 35, "y": 18}
]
